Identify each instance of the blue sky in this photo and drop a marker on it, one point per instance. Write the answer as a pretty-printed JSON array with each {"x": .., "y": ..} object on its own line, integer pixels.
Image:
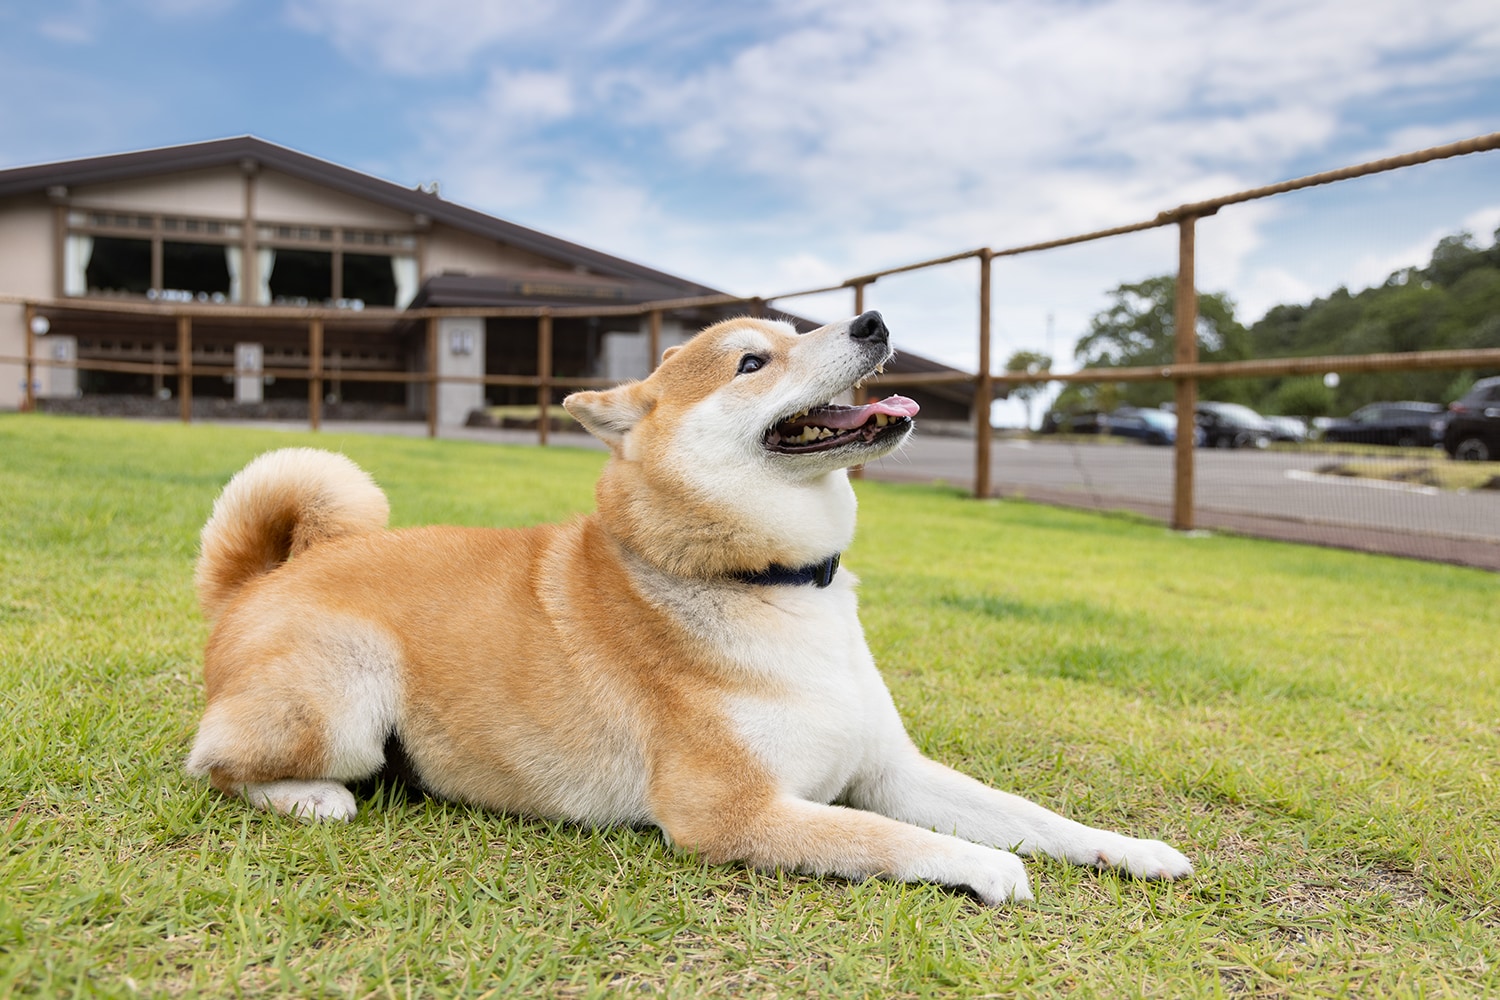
[{"x": 764, "y": 147}]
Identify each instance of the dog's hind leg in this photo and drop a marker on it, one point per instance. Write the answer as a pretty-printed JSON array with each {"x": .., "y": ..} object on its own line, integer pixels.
[
  {"x": 314, "y": 800},
  {"x": 287, "y": 730},
  {"x": 274, "y": 756}
]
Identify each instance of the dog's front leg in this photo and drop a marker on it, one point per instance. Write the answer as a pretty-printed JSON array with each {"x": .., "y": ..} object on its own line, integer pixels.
[
  {"x": 793, "y": 834},
  {"x": 909, "y": 787}
]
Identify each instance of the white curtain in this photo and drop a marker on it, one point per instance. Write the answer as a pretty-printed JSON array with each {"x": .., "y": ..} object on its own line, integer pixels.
[
  {"x": 405, "y": 271},
  {"x": 234, "y": 259},
  {"x": 265, "y": 262},
  {"x": 76, "y": 253}
]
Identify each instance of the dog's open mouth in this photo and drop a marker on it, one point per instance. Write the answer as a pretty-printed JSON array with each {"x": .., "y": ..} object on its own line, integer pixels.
[{"x": 832, "y": 425}]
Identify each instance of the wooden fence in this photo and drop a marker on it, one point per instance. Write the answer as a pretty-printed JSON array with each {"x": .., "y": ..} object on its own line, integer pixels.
[{"x": 1185, "y": 371}]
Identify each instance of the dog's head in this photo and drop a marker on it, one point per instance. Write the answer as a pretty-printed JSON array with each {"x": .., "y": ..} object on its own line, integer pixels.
[{"x": 735, "y": 450}]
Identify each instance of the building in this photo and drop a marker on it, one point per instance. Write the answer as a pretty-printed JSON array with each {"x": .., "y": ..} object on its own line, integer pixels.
[{"x": 248, "y": 232}]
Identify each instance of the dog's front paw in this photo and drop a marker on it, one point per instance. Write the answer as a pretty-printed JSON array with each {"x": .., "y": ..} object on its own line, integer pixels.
[
  {"x": 997, "y": 877},
  {"x": 1142, "y": 858}
]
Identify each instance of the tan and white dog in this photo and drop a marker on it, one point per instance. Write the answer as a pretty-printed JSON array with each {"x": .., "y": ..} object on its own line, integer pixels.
[{"x": 687, "y": 657}]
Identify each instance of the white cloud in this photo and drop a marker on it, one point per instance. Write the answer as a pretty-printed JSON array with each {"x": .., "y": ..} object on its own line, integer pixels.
[
  {"x": 814, "y": 139},
  {"x": 85, "y": 22},
  {"x": 78, "y": 23},
  {"x": 531, "y": 96},
  {"x": 432, "y": 38}
]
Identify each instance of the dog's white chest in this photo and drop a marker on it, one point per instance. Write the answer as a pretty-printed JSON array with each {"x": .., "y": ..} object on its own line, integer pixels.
[{"x": 824, "y": 708}]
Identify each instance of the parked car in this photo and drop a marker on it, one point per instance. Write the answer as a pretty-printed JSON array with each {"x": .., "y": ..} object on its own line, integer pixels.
[
  {"x": 1287, "y": 429},
  {"x": 1230, "y": 425},
  {"x": 1143, "y": 424},
  {"x": 1086, "y": 422},
  {"x": 1473, "y": 430},
  {"x": 1403, "y": 425}
]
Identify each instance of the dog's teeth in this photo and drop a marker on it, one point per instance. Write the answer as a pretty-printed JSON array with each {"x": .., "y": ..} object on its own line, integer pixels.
[
  {"x": 881, "y": 420},
  {"x": 880, "y": 369}
]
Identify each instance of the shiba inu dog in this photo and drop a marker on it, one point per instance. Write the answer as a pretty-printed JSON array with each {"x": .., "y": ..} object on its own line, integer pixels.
[{"x": 689, "y": 656}]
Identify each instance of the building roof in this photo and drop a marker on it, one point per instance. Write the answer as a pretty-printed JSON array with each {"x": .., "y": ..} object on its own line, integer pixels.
[
  {"x": 250, "y": 150},
  {"x": 609, "y": 279}
]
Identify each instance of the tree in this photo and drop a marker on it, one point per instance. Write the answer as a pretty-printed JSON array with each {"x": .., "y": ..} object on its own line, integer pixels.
[
  {"x": 1306, "y": 397},
  {"x": 1453, "y": 257},
  {"x": 1138, "y": 329},
  {"x": 1031, "y": 363}
]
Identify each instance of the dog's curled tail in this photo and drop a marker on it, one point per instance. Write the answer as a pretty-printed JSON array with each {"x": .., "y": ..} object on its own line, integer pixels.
[{"x": 279, "y": 505}]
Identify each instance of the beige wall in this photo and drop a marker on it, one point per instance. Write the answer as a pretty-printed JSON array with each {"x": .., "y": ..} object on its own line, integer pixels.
[
  {"x": 220, "y": 193},
  {"x": 453, "y": 250},
  {"x": 26, "y": 247},
  {"x": 280, "y": 198},
  {"x": 217, "y": 194},
  {"x": 26, "y": 258},
  {"x": 13, "y": 344}
]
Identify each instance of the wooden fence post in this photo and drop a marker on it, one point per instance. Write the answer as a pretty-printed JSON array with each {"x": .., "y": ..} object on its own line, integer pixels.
[
  {"x": 544, "y": 375},
  {"x": 315, "y": 374},
  {"x": 185, "y": 367},
  {"x": 1185, "y": 327},
  {"x": 858, "y": 471},
  {"x": 653, "y": 340},
  {"x": 432, "y": 376},
  {"x": 983, "y": 384},
  {"x": 28, "y": 394}
]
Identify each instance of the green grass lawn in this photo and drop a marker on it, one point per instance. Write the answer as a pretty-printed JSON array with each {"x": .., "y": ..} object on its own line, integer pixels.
[{"x": 1318, "y": 730}]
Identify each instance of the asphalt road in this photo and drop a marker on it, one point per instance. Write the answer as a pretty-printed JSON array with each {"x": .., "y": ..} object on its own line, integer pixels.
[{"x": 1267, "y": 493}]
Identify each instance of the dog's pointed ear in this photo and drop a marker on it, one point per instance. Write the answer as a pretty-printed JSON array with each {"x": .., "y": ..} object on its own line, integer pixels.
[
  {"x": 610, "y": 414},
  {"x": 670, "y": 351}
]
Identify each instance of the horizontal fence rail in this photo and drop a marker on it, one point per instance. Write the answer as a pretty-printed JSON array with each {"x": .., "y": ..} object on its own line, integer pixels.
[{"x": 1184, "y": 372}]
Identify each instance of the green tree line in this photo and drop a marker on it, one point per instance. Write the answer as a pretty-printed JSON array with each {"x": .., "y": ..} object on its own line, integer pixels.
[{"x": 1451, "y": 303}]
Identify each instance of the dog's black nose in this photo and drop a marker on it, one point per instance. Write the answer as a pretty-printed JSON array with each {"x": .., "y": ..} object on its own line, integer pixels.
[{"x": 869, "y": 326}]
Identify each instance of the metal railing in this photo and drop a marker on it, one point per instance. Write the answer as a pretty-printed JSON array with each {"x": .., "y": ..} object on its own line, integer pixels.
[{"x": 1185, "y": 370}]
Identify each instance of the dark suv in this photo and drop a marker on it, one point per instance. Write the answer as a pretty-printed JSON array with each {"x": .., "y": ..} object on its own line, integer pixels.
[
  {"x": 1473, "y": 432},
  {"x": 1404, "y": 425}
]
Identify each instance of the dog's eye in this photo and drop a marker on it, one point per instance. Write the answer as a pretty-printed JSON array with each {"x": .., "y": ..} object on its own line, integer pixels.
[{"x": 750, "y": 363}]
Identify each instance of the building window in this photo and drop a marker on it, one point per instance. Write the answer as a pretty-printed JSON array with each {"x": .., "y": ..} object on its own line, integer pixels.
[
  {"x": 116, "y": 266},
  {"x": 369, "y": 278},
  {"x": 176, "y": 258},
  {"x": 298, "y": 277},
  {"x": 196, "y": 269},
  {"x": 301, "y": 277}
]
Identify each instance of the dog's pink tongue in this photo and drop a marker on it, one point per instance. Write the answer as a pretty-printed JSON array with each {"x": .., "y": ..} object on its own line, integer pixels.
[
  {"x": 848, "y": 418},
  {"x": 895, "y": 406}
]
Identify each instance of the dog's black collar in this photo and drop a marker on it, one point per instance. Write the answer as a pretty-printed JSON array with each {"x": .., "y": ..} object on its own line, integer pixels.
[{"x": 779, "y": 576}]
